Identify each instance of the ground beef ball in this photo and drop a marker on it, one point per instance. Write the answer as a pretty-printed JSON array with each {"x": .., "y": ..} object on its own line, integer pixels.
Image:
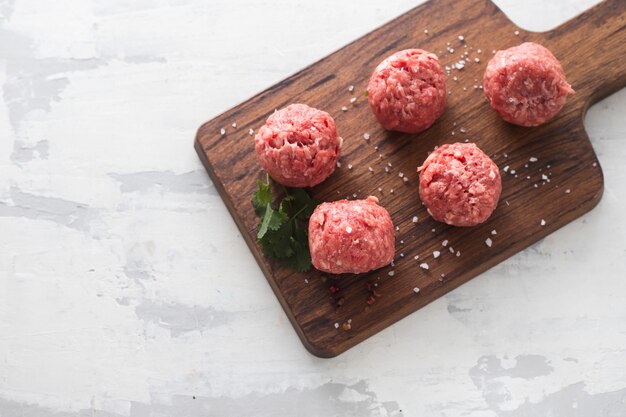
[
  {"x": 351, "y": 236},
  {"x": 526, "y": 84},
  {"x": 459, "y": 184},
  {"x": 407, "y": 91},
  {"x": 298, "y": 146}
]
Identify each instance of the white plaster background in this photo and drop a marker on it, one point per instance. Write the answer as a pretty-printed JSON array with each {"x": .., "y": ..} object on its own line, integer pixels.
[{"x": 126, "y": 289}]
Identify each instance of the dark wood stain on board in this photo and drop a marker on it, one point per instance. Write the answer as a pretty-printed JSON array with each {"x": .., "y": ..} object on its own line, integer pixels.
[{"x": 591, "y": 48}]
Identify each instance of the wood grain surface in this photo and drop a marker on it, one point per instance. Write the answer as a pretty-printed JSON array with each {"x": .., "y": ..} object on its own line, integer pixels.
[{"x": 332, "y": 314}]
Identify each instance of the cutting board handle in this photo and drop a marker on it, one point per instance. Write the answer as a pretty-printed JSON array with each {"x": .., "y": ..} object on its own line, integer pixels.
[{"x": 594, "y": 61}]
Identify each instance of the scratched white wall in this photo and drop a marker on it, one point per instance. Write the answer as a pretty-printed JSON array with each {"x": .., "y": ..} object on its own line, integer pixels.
[{"x": 126, "y": 289}]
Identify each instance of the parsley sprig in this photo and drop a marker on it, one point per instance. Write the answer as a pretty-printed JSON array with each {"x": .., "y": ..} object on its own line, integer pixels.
[{"x": 283, "y": 232}]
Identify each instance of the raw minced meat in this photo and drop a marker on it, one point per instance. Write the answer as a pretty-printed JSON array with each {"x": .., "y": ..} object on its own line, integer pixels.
[
  {"x": 351, "y": 236},
  {"x": 298, "y": 146},
  {"x": 407, "y": 91},
  {"x": 459, "y": 184},
  {"x": 526, "y": 84}
]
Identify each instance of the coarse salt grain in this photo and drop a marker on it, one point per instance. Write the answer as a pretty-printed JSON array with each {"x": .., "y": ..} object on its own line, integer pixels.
[
  {"x": 397, "y": 228},
  {"x": 532, "y": 159},
  {"x": 505, "y": 169},
  {"x": 400, "y": 174},
  {"x": 462, "y": 130},
  {"x": 477, "y": 60},
  {"x": 451, "y": 249},
  {"x": 353, "y": 100},
  {"x": 444, "y": 243},
  {"x": 544, "y": 177},
  {"x": 349, "y": 166},
  {"x": 391, "y": 273},
  {"x": 370, "y": 169},
  {"x": 344, "y": 108},
  {"x": 512, "y": 171},
  {"x": 336, "y": 325},
  {"x": 222, "y": 131},
  {"x": 391, "y": 191},
  {"x": 250, "y": 132},
  {"x": 458, "y": 253},
  {"x": 405, "y": 179},
  {"x": 350, "y": 88},
  {"x": 402, "y": 255},
  {"x": 387, "y": 170},
  {"x": 516, "y": 33},
  {"x": 426, "y": 31},
  {"x": 348, "y": 229},
  {"x": 415, "y": 219},
  {"x": 416, "y": 290},
  {"x": 234, "y": 125},
  {"x": 543, "y": 222},
  {"x": 436, "y": 254},
  {"x": 424, "y": 265},
  {"x": 488, "y": 242},
  {"x": 338, "y": 164},
  {"x": 568, "y": 191},
  {"x": 493, "y": 232},
  {"x": 366, "y": 136},
  {"x": 461, "y": 38},
  {"x": 416, "y": 257}
]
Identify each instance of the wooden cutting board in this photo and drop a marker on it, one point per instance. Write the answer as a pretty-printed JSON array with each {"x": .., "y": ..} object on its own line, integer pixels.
[{"x": 333, "y": 314}]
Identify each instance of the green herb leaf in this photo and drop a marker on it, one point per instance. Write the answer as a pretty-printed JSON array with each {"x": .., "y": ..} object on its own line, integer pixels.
[
  {"x": 283, "y": 232},
  {"x": 302, "y": 202},
  {"x": 272, "y": 220},
  {"x": 301, "y": 248},
  {"x": 262, "y": 197}
]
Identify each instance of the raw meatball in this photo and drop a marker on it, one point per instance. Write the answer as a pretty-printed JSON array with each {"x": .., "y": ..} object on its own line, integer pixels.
[
  {"x": 351, "y": 236},
  {"x": 459, "y": 184},
  {"x": 526, "y": 84},
  {"x": 407, "y": 91},
  {"x": 298, "y": 146}
]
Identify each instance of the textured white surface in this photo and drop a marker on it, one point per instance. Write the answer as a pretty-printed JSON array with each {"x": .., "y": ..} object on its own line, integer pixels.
[{"x": 126, "y": 289}]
